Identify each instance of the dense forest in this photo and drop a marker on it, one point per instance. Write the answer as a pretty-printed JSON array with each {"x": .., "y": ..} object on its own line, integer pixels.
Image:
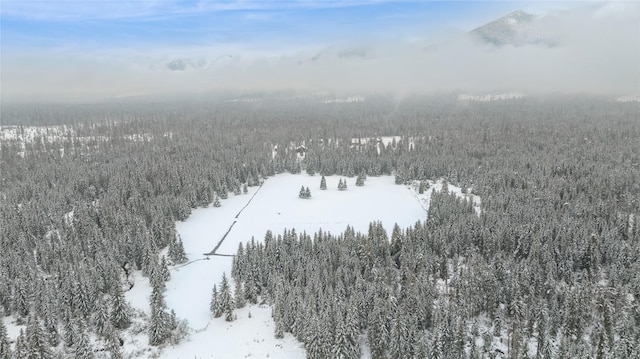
[{"x": 549, "y": 268}]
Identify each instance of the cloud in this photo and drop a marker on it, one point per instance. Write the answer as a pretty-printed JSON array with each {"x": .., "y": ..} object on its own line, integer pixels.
[
  {"x": 88, "y": 10},
  {"x": 597, "y": 52}
]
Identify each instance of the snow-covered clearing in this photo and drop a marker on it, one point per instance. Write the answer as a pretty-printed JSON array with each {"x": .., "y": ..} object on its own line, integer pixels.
[{"x": 275, "y": 206}]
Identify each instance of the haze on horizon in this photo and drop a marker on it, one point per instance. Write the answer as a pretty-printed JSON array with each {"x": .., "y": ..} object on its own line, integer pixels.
[{"x": 93, "y": 50}]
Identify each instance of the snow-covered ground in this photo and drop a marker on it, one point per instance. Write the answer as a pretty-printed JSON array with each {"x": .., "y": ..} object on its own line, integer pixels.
[
  {"x": 492, "y": 97},
  {"x": 274, "y": 206}
]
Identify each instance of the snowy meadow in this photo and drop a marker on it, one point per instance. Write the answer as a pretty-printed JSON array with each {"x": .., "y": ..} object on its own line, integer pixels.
[{"x": 274, "y": 206}]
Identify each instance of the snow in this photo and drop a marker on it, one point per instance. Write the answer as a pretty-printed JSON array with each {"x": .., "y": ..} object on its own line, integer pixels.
[
  {"x": 349, "y": 99},
  {"x": 273, "y": 206},
  {"x": 277, "y": 207},
  {"x": 492, "y": 97},
  {"x": 425, "y": 198},
  {"x": 629, "y": 98}
]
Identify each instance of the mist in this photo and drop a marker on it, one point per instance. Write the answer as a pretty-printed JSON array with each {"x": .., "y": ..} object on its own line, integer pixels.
[{"x": 593, "y": 51}]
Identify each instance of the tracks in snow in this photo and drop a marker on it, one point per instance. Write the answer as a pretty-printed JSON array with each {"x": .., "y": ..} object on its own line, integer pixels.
[{"x": 213, "y": 252}]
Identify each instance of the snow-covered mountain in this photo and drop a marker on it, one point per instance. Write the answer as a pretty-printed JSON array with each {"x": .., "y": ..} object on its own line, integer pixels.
[{"x": 517, "y": 29}]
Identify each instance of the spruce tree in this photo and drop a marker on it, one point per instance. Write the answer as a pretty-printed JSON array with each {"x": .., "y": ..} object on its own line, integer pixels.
[
  {"x": 307, "y": 193},
  {"x": 120, "y": 312},
  {"x": 82, "y": 346},
  {"x": 302, "y": 193},
  {"x": 239, "y": 294},
  {"x": 5, "y": 349},
  {"x": 101, "y": 318},
  {"x": 176, "y": 251},
  {"x": 226, "y": 299},
  {"x": 22, "y": 348},
  {"x": 38, "y": 346},
  {"x": 323, "y": 183},
  {"x": 342, "y": 185},
  {"x": 216, "y": 201},
  {"x": 113, "y": 342},
  {"x": 422, "y": 187},
  {"x": 161, "y": 323},
  {"x": 214, "y": 304}
]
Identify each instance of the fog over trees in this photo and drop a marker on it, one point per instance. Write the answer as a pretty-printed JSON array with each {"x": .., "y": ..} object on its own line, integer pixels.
[{"x": 549, "y": 267}]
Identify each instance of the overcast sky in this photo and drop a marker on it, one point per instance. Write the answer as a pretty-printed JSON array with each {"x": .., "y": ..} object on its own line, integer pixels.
[{"x": 100, "y": 49}]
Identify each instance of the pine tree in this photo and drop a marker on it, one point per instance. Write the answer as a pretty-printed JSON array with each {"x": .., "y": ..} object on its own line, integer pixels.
[
  {"x": 214, "y": 304},
  {"x": 422, "y": 187},
  {"x": 161, "y": 323},
  {"x": 225, "y": 299},
  {"x": 5, "y": 349},
  {"x": 302, "y": 193},
  {"x": 323, "y": 183},
  {"x": 68, "y": 334},
  {"x": 101, "y": 318},
  {"x": 113, "y": 342},
  {"x": 223, "y": 192},
  {"x": 216, "y": 201},
  {"x": 163, "y": 270},
  {"x": 120, "y": 312},
  {"x": 360, "y": 179},
  {"x": 51, "y": 324},
  {"x": 307, "y": 193},
  {"x": 342, "y": 185},
  {"x": 176, "y": 251},
  {"x": 82, "y": 347},
  {"x": 239, "y": 294},
  {"x": 251, "y": 290},
  {"x": 22, "y": 348},
  {"x": 37, "y": 345}
]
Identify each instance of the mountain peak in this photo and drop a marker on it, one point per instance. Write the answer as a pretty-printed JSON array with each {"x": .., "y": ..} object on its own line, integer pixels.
[{"x": 511, "y": 29}]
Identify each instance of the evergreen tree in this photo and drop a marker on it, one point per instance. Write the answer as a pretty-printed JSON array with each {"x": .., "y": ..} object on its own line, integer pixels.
[
  {"x": 323, "y": 183},
  {"x": 307, "y": 193},
  {"x": 176, "y": 251},
  {"x": 82, "y": 346},
  {"x": 422, "y": 187},
  {"x": 120, "y": 312},
  {"x": 69, "y": 335},
  {"x": 251, "y": 290},
  {"x": 224, "y": 194},
  {"x": 113, "y": 342},
  {"x": 216, "y": 201},
  {"x": 161, "y": 323},
  {"x": 214, "y": 304},
  {"x": 239, "y": 295},
  {"x": 342, "y": 185},
  {"x": 360, "y": 179},
  {"x": 163, "y": 270},
  {"x": 51, "y": 324},
  {"x": 101, "y": 318},
  {"x": 312, "y": 339},
  {"x": 22, "y": 347},
  {"x": 302, "y": 193},
  {"x": 5, "y": 349},
  {"x": 226, "y": 299},
  {"x": 38, "y": 346}
]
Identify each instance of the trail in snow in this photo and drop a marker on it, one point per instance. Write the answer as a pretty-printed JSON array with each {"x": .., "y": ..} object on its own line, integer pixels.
[{"x": 213, "y": 252}]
